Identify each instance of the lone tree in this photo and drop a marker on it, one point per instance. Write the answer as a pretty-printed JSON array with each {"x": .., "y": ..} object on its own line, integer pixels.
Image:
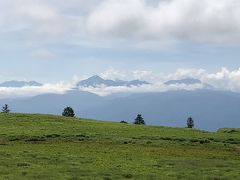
[
  {"x": 68, "y": 112},
  {"x": 139, "y": 120},
  {"x": 190, "y": 122},
  {"x": 5, "y": 109}
]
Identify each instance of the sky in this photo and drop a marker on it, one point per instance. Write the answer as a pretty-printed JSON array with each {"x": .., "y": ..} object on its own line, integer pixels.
[{"x": 57, "y": 40}]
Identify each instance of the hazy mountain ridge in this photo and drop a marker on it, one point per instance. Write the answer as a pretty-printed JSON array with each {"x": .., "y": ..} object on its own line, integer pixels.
[
  {"x": 190, "y": 81},
  {"x": 54, "y": 103},
  {"x": 96, "y": 81},
  {"x": 210, "y": 109},
  {"x": 18, "y": 84},
  {"x": 187, "y": 81}
]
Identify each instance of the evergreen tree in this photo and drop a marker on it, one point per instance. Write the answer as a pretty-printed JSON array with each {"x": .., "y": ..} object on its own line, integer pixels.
[
  {"x": 139, "y": 120},
  {"x": 5, "y": 109},
  {"x": 190, "y": 122},
  {"x": 68, "y": 112}
]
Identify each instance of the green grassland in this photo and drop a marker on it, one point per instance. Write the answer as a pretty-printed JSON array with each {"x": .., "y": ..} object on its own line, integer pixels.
[{"x": 54, "y": 147}]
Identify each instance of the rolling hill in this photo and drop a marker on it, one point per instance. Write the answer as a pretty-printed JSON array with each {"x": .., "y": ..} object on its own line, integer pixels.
[
  {"x": 55, "y": 147},
  {"x": 210, "y": 109}
]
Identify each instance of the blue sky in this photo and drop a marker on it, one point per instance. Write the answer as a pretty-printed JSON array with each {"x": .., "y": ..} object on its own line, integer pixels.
[{"x": 50, "y": 41}]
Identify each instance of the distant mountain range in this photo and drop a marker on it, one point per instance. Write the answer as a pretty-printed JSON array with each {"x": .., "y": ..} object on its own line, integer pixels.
[
  {"x": 209, "y": 108},
  {"x": 187, "y": 81},
  {"x": 18, "y": 84},
  {"x": 96, "y": 81}
]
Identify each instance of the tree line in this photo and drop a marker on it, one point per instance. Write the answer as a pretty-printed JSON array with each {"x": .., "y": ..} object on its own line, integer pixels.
[{"x": 69, "y": 112}]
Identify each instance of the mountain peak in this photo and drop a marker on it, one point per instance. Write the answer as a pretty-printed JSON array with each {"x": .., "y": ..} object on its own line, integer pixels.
[
  {"x": 92, "y": 81},
  {"x": 95, "y": 77}
]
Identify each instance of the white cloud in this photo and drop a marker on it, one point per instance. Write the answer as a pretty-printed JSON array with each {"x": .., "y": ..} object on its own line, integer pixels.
[
  {"x": 126, "y": 75},
  {"x": 155, "y": 87},
  {"x": 38, "y": 20},
  {"x": 187, "y": 73},
  {"x": 187, "y": 20},
  {"x": 213, "y": 21},
  {"x": 28, "y": 91},
  {"x": 224, "y": 80}
]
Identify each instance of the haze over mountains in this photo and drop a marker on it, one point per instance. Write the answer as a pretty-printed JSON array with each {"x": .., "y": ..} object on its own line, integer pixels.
[
  {"x": 187, "y": 81},
  {"x": 96, "y": 81},
  {"x": 19, "y": 84},
  {"x": 209, "y": 108}
]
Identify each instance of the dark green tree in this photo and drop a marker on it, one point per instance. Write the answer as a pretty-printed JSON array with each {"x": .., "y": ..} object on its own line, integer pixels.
[
  {"x": 68, "y": 112},
  {"x": 5, "y": 109},
  {"x": 139, "y": 120},
  {"x": 190, "y": 122}
]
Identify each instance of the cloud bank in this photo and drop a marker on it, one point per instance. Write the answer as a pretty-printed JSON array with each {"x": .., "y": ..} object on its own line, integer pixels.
[
  {"x": 223, "y": 80},
  {"x": 156, "y": 87},
  {"x": 29, "y": 91},
  {"x": 188, "y": 20},
  {"x": 215, "y": 21}
]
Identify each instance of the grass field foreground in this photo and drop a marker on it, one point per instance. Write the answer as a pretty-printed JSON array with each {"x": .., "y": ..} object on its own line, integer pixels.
[{"x": 55, "y": 147}]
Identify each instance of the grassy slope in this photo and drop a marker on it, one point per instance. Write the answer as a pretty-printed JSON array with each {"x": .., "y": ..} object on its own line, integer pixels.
[{"x": 53, "y": 147}]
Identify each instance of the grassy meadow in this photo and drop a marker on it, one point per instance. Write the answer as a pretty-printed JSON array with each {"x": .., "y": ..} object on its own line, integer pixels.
[{"x": 55, "y": 147}]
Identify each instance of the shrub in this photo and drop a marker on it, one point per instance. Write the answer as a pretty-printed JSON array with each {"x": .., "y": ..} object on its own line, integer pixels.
[
  {"x": 128, "y": 176},
  {"x": 124, "y": 122}
]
